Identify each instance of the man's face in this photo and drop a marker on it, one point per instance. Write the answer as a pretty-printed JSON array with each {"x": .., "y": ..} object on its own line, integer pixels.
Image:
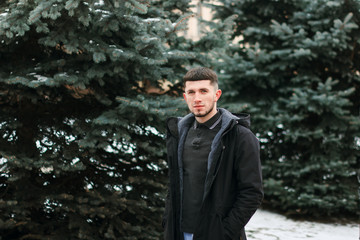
[{"x": 201, "y": 97}]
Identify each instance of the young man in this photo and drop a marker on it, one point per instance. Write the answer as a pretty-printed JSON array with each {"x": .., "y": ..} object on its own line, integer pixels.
[{"x": 214, "y": 167}]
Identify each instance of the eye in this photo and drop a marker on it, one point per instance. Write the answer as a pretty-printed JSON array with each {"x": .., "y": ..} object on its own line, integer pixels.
[
  {"x": 190, "y": 92},
  {"x": 203, "y": 91}
]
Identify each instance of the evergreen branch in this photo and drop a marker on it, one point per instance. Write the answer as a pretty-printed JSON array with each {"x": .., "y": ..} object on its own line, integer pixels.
[
  {"x": 142, "y": 10},
  {"x": 69, "y": 4},
  {"x": 134, "y": 5},
  {"x": 122, "y": 99},
  {"x": 180, "y": 22},
  {"x": 185, "y": 18},
  {"x": 31, "y": 236},
  {"x": 78, "y": 92},
  {"x": 37, "y": 16},
  {"x": 353, "y": 51}
]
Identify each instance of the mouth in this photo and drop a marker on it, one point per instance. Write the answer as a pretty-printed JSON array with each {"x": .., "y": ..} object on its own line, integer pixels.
[{"x": 198, "y": 106}]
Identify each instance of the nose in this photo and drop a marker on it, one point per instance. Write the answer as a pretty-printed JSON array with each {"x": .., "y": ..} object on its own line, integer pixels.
[{"x": 197, "y": 98}]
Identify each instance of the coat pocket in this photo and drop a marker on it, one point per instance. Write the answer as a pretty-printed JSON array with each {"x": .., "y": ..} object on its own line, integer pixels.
[
  {"x": 222, "y": 231},
  {"x": 222, "y": 212}
]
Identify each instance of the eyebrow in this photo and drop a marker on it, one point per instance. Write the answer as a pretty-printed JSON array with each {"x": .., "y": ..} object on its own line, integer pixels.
[{"x": 200, "y": 89}]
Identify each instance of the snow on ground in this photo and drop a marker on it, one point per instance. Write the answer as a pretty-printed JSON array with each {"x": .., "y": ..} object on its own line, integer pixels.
[{"x": 265, "y": 225}]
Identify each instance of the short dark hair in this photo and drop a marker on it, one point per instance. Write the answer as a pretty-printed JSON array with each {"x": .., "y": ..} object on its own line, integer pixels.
[{"x": 201, "y": 73}]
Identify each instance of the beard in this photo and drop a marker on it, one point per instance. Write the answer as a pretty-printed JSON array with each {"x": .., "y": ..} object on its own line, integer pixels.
[{"x": 198, "y": 114}]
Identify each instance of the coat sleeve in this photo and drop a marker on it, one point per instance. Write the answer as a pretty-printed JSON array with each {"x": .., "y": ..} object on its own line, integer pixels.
[{"x": 248, "y": 174}]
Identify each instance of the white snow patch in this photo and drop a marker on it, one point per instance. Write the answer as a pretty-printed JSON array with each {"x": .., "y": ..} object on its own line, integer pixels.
[
  {"x": 47, "y": 170},
  {"x": 151, "y": 20},
  {"x": 99, "y": 3},
  {"x": 265, "y": 225}
]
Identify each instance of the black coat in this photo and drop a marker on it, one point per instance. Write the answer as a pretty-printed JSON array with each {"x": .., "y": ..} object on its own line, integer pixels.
[{"x": 233, "y": 186}]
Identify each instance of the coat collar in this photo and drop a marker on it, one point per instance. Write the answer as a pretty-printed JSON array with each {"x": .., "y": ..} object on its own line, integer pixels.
[{"x": 227, "y": 118}]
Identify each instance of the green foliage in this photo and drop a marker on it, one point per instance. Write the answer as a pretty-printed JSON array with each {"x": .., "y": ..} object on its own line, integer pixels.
[
  {"x": 294, "y": 65},
  {"x": 82, "y": 150}
]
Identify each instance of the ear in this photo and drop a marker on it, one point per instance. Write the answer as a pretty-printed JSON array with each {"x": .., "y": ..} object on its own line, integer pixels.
[
  {"x": 184, "y": 95},
  {"x": 218, "y": 94}
]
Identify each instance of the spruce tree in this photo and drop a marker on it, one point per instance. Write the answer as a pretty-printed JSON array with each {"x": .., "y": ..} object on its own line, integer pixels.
[
  {"x": 294, "y": 65},
  {"x": 82, "y": 132}
]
